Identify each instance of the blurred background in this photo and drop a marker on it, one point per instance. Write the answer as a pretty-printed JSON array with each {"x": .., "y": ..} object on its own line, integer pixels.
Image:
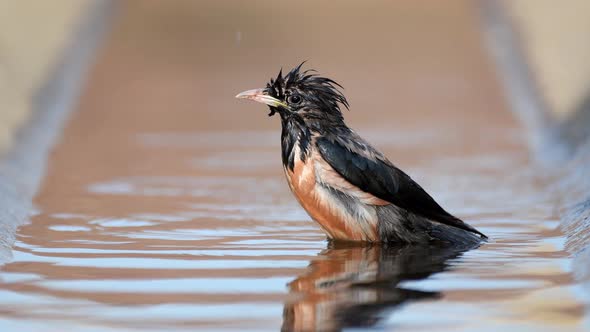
[
  {"x": 34, "y": 36},
  {"x": 156, "y": 200},
  {"x": 552, "y": 41}
]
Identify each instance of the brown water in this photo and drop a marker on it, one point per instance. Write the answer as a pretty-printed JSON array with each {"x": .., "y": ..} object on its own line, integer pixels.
[{"x": 164, "y": 206}]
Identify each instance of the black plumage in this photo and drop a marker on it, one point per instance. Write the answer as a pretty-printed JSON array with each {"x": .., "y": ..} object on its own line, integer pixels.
[
  {"x": 380, "y": 177},
  {"x": 349, "y": 187}
]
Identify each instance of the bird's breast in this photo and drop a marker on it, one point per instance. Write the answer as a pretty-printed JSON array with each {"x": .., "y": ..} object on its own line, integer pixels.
[{"x": 313, "y": 183}]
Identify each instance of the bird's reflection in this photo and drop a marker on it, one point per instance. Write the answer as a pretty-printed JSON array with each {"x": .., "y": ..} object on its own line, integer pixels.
[{"x": 346, "y": 286}]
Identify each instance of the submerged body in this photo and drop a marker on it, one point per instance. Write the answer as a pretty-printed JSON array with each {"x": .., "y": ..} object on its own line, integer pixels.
[{"x": 348, "y": 187}]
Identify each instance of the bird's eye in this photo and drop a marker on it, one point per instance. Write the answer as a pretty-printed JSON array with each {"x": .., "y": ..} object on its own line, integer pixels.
[{"x": 294, "y": 99}]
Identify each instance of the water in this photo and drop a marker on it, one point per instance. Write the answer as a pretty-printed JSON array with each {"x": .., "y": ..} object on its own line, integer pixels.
[
  {"x": 164, "y": 206},
  {"x": 235, "y": 252}
]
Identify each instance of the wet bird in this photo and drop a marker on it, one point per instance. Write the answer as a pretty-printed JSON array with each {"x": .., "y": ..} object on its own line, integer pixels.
[{"x": 347, "y": 186}]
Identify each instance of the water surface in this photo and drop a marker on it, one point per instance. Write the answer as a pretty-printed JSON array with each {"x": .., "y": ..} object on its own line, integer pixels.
[{"x": 235, "y": 252}]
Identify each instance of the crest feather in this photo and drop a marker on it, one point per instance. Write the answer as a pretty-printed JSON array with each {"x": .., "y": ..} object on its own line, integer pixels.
[{"x": 323, "y": 91}]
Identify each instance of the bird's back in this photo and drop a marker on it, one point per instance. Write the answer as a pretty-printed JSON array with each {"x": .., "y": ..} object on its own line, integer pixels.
[{"x": 369, "y": 170}]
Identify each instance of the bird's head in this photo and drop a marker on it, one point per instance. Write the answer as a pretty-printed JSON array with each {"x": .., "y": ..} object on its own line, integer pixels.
[{"x": 301, "y": 93}]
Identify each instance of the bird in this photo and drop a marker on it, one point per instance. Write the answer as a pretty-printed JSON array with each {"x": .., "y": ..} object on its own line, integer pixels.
[{"x": 346, "y": 185}]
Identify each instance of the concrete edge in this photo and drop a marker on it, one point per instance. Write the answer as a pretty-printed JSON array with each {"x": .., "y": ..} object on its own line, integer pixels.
[
  {"x": 570, "y": 181},
  {"x": 22, "y": 167},
  {"x": 524, "y": 97}
]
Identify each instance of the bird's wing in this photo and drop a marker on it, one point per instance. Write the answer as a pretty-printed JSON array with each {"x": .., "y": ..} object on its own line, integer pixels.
[{"x": 366, "y": 168}]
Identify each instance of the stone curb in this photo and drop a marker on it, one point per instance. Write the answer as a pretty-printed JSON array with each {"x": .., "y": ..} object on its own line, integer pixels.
[{"x": 23, "y": 166}]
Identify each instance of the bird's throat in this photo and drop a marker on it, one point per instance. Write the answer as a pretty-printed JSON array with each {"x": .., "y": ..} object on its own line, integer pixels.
[{"x": 295, "y": 141}]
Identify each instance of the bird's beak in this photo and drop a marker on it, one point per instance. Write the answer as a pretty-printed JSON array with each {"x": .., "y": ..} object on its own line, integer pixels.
[{"x": 261, "y": 96}]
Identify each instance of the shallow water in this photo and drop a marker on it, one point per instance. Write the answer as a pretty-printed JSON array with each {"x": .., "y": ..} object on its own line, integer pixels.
[
  {"x": 235, "y": 252},
  {"x": 164, "y": 206}
]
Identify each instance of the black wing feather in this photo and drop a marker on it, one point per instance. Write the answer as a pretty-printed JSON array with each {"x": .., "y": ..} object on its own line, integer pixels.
[{"x": 366, "y": 168}]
